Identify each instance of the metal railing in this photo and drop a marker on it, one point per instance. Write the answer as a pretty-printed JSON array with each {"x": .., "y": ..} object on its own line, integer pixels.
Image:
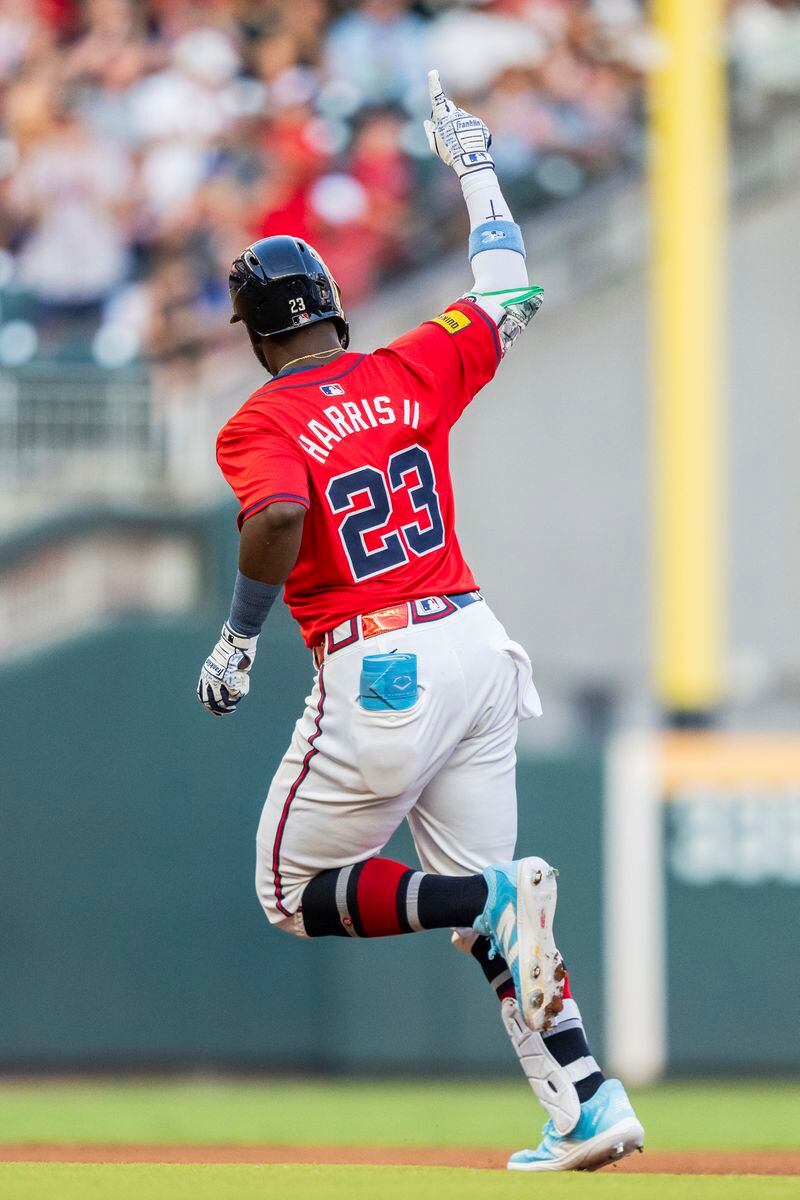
[
  {"x": 68, "y": 425},
  {"x": 74, "y": 432}
]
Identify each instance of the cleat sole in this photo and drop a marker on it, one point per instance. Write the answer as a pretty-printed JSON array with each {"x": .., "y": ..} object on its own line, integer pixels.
[{"x": 539, "y": 958}]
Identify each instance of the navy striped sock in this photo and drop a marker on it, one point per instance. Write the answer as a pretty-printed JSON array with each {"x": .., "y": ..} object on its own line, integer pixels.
[
  {"x": 495, "y": 969},
  {"x": 569, "y": 1046},
  {"x": 380, "y": 898}
]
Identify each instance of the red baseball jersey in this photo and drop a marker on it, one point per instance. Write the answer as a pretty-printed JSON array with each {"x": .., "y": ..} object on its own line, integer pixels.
[{"x": 363, "y": 444}]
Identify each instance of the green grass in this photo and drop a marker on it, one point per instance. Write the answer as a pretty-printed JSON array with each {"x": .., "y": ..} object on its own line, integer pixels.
[
  {"x": 27, "y": 1181},
  {"x": 712, "y": 1116}
]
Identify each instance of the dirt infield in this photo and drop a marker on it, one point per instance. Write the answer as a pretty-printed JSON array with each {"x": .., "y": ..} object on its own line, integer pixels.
[{"x": 666, "y": 1162}]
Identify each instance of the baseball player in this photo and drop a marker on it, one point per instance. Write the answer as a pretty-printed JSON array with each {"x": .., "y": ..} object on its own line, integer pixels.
[{"x": 341, "y": 465}]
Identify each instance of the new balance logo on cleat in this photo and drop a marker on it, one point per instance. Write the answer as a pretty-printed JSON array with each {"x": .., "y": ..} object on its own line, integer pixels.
[{"x": 506, "y": 929}]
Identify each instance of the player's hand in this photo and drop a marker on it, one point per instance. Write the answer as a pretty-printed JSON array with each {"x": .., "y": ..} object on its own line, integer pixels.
[
  {"x": 224, "y": 681},
  {"x": 460, "y": 140}
]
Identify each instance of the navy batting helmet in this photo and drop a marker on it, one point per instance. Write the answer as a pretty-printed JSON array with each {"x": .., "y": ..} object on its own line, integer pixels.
[{"x": 280, "y": 284}]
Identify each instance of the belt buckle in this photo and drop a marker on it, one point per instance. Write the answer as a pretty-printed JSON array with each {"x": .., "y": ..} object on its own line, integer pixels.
[{"x": 383, "y": 620}]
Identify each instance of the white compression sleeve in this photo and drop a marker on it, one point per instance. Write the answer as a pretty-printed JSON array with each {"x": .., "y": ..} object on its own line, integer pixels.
[{"x": 493, "y": 269}]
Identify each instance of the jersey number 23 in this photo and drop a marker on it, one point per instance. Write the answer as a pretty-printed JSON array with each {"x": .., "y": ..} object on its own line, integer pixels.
[{"x": 410, "y": 470}]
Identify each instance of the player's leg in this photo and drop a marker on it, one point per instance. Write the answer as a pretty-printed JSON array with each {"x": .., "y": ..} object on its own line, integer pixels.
[
  {"x": 591, "y": 1121},
  {"x": 466, "y": 817},
  {"x": 319, "y": 871},
  {"x": 325, "y": 822},
  {"x": 339, "y": 794}
]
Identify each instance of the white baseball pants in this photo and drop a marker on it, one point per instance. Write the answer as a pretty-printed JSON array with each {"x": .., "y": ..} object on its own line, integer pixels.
[{"x": 447, "y": 765}]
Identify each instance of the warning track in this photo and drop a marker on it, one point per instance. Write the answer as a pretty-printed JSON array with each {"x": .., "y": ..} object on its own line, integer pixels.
[{"x": 666, "y": 1162}]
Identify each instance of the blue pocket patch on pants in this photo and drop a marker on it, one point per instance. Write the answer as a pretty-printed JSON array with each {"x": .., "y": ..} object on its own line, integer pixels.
[{"x": 388, "y": 682}]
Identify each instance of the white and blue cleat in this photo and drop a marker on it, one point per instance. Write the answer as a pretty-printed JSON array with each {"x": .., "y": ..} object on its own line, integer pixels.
[
  {"x": 518, "y": 920},
  {"x": 607, "y": 1131}
]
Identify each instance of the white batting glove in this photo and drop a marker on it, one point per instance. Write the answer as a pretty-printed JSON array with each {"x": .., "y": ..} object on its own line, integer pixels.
[
  {"x": 460, "y": 140},
  {"x": 224, "y": 681}
]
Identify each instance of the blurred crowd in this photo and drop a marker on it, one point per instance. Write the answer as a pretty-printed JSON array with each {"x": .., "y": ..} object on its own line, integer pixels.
[{"x": 143, "y": 143}]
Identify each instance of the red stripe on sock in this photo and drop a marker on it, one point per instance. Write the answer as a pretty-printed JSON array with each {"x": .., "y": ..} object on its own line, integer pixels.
[
  {"x": 507, "y": 992},
  {"x": 567, "y": 990},
  {"x": 376, "y": 896}
]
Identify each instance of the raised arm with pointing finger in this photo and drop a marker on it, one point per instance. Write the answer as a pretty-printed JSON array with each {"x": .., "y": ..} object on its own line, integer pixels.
[
  {"x": 290, "y": 305},
  {"x": 496, "y": 248}
]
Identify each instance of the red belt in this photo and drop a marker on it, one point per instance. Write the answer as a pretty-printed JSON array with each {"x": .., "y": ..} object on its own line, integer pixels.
[{"x": 384, "y": 620}]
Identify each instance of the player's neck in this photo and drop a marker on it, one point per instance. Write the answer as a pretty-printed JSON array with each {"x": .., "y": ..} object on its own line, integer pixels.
[{"x": 316, "y": 345}]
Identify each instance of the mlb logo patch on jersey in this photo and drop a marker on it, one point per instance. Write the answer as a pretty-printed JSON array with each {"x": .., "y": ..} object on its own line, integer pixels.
[
  {"x": 452, "y": 321},
  {"x": 431, "y": 606},
  {"x": 331, "y": 389}
]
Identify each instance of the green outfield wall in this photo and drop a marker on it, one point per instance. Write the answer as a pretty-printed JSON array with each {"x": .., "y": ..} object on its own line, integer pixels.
[
  {"x": 130, "y": 933},
  {"x": 130, "y": 927}
]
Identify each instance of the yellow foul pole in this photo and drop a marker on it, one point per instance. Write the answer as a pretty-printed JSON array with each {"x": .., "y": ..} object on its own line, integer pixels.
[{"x": 688, "y": 170}]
